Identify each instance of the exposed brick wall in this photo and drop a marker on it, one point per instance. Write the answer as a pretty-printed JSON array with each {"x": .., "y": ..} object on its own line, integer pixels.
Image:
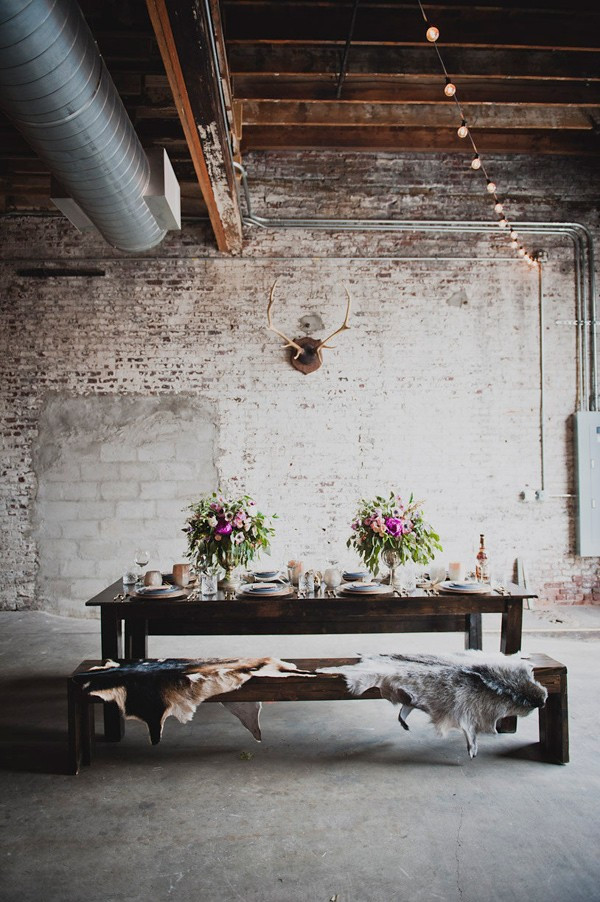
[{"x": 435, "y": 389}]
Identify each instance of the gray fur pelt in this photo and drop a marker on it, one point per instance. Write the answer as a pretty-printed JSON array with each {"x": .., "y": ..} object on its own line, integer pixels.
[{"x": 468, "y": 691}]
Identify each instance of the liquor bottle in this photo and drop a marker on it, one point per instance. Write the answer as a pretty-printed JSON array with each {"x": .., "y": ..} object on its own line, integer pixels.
[{"x": 482, "y": 567}]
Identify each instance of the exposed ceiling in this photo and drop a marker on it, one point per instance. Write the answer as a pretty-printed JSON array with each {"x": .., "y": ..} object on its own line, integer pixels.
[{"x": 528, "y": 76}]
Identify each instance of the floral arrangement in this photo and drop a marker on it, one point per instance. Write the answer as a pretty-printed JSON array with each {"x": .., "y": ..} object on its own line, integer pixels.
[
  {"x": 387, "y": 524},
  {"x": 226, "y": 531}
]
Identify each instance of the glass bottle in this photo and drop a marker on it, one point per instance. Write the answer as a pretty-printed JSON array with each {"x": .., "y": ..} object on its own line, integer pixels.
[{"x": 482, "y": 566}]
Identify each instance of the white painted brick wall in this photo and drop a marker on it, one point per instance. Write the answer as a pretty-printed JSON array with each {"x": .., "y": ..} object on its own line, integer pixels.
[{"x": 420, "y": 395}]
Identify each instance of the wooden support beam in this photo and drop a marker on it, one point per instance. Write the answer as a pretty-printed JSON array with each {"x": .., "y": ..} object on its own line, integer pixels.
[
  {"x": 182, "y": 30},
  {"x": 344, "y": 114},
  {"x": 402, "y": 25},
  {"x": 423, "y": 140},
  {"x": 412, "y": 88},
  {"x": 374, "y": 60}
]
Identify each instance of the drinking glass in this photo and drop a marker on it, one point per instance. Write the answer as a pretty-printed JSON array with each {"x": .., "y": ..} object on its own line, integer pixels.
[
  {"x": 208, "y": 583},
  {"x": 141, "y": 557}
]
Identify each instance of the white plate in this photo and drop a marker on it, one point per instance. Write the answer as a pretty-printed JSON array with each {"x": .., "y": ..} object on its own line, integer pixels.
[
  {"x": 262, "y": 588},
  {"x": 367, "y": 590},
  {"x": 466, "y": 588},
  {"x": 267, "y": 575}
]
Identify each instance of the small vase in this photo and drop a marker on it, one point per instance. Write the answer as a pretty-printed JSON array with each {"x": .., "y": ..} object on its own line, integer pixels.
[
  {"x": 228, "y": 583},
  {"x": 391, "y": 559}
]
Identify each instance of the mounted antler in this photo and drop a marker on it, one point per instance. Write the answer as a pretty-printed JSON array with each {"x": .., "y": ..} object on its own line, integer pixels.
[
  {"x": 342, "y": 328},
  {"x": 289, "y": 342},
  {"x": 308, "y": 356}
]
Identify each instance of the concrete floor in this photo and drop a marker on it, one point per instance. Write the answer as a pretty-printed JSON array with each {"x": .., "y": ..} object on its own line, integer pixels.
[{"x": 337, "y": 803}]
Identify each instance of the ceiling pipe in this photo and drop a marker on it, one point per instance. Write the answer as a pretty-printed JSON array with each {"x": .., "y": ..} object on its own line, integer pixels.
[{"x": 56, "y": 90}]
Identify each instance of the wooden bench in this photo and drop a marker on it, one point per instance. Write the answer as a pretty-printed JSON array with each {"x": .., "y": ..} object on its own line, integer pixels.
[{"x": 553, "y": 718}]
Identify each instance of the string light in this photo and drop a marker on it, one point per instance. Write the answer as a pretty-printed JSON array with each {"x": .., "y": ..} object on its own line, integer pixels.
[
  {"x": 450, "y": 89},
  {"x": 463, "y": 131}
]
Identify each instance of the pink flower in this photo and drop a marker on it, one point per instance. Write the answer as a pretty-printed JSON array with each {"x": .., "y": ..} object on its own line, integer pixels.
[
  {"x": 394, "y": 527},
  {"x": 223, "y": 528},
  {"x": 238, "y": 538}
]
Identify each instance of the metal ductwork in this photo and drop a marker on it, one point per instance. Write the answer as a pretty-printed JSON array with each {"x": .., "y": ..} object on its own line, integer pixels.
[{"x": 57, "y": 91}]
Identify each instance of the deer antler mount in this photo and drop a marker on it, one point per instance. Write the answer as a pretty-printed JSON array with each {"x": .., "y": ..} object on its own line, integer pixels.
[{"x": 306, "y": 353}]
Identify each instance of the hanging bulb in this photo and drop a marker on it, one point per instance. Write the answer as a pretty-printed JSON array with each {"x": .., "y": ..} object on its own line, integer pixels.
[
  {"x": 476, "y": 162},
  {"x": 503, "y": 223},
  {"x": 462, "y": 131},
  {"x": 491, "y": 187},
  {"x": 432, "y": 34},
  {"x": 514, "y": 234},
  {"x": 514, "y": 243},
  {"x": 450, "y": 89},
  {"x": 498, "y": 208},
  {"x": 521, "y": 252}
]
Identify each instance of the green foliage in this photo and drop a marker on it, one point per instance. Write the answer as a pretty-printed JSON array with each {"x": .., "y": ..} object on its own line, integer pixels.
[
  {"x": 384, "y": 523},
  {"x": 226, "y": 531}
]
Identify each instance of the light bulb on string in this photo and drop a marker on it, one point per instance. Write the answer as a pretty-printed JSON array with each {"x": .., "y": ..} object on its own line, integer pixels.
[
  {"x": 432, "y": 34},
  {"x": 450, "y": 89},
  {"x": 514, "y": 235},
  {"x": 503, "y": 223},
  {"x": 462, "y": 131},
  {"x": 514, "y": 243},
  {"x": 498, "y": 208},
  {"x": 491, "y": 186},
  {"x": 476, "y": 162},
  {"x": 521, "y": 252}
]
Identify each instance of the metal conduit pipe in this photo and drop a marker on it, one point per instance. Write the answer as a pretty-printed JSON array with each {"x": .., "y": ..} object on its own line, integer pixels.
[
  {"x": 56, "y": 90},
  {"x": 579, "y": 234}
]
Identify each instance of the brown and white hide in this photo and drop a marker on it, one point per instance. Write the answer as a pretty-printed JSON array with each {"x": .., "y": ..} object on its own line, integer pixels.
[
  {"x": 468, "y": 691},
  {"x": 150, "y": 691}
]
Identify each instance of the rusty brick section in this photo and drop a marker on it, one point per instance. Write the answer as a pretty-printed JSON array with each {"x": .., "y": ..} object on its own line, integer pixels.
[{"x": 435, "y": 389}]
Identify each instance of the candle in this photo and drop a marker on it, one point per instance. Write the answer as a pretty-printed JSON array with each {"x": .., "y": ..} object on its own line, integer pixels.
[{"x": 456, "y": 571}]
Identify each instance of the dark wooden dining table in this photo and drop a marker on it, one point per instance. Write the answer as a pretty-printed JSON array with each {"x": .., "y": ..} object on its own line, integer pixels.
[{"x": 126, "y": 624}]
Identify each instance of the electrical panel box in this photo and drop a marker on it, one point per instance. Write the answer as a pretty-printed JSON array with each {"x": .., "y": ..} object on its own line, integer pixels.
[{"x": 587, "y": 463}]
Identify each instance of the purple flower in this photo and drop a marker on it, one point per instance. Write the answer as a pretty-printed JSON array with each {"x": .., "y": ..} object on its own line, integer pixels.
[
  {"x": 394, "y": 527},
  {"x": 223, "y": 528}
]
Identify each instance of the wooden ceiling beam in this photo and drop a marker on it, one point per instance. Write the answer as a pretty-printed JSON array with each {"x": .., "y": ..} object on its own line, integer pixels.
[
  {"x": 420, "y": 140},
  {"x": 272, "y": 59},
  {"x": 402, "y": 25},
  {"x": 343, "y": 114},
  {"x": 413, "y": 89},
  {"x": 183, "y": 32}
]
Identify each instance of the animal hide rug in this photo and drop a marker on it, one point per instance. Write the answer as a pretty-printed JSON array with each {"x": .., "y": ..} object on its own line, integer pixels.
[
  {"x": 150, "y": 691},
  {"x": 468, "y": 691}
]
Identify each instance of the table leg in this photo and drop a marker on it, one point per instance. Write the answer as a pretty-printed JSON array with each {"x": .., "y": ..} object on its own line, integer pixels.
[
  {"x": 112, "y": 647},
  {"x": 474, "y": 632},
  {"x": 136, "y": 639},
  {"x": 510, "y": 644}
]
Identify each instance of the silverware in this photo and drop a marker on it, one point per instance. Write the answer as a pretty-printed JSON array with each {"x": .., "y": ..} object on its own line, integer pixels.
[{"x": 119, "y": 597}]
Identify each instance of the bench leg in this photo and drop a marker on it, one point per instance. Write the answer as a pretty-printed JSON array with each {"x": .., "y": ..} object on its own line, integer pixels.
[
  {"x": 80, "y": 727},
  {"x": 554, "y": 725},
  {"x": 88, "y": 730}
]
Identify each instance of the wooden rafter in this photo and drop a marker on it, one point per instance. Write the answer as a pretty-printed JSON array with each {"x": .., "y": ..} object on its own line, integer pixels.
[{"x": 182, "y": 30}]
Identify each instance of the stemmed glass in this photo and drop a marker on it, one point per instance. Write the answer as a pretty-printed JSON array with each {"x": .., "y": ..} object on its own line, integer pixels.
[{"x": 141, "y": 557}]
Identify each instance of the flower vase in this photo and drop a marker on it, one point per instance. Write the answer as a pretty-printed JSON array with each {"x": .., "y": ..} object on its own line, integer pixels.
[
  {"x": 391, "y": 559},
  {"x": 228, "y": 583}
]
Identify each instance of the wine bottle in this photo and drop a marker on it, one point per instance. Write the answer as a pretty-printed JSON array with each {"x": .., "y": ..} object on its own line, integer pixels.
[{"x": 482, "y": 565}]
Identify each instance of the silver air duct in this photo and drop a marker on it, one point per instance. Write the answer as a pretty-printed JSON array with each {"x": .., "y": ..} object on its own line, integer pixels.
[{"x": 57, "y": 91}]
